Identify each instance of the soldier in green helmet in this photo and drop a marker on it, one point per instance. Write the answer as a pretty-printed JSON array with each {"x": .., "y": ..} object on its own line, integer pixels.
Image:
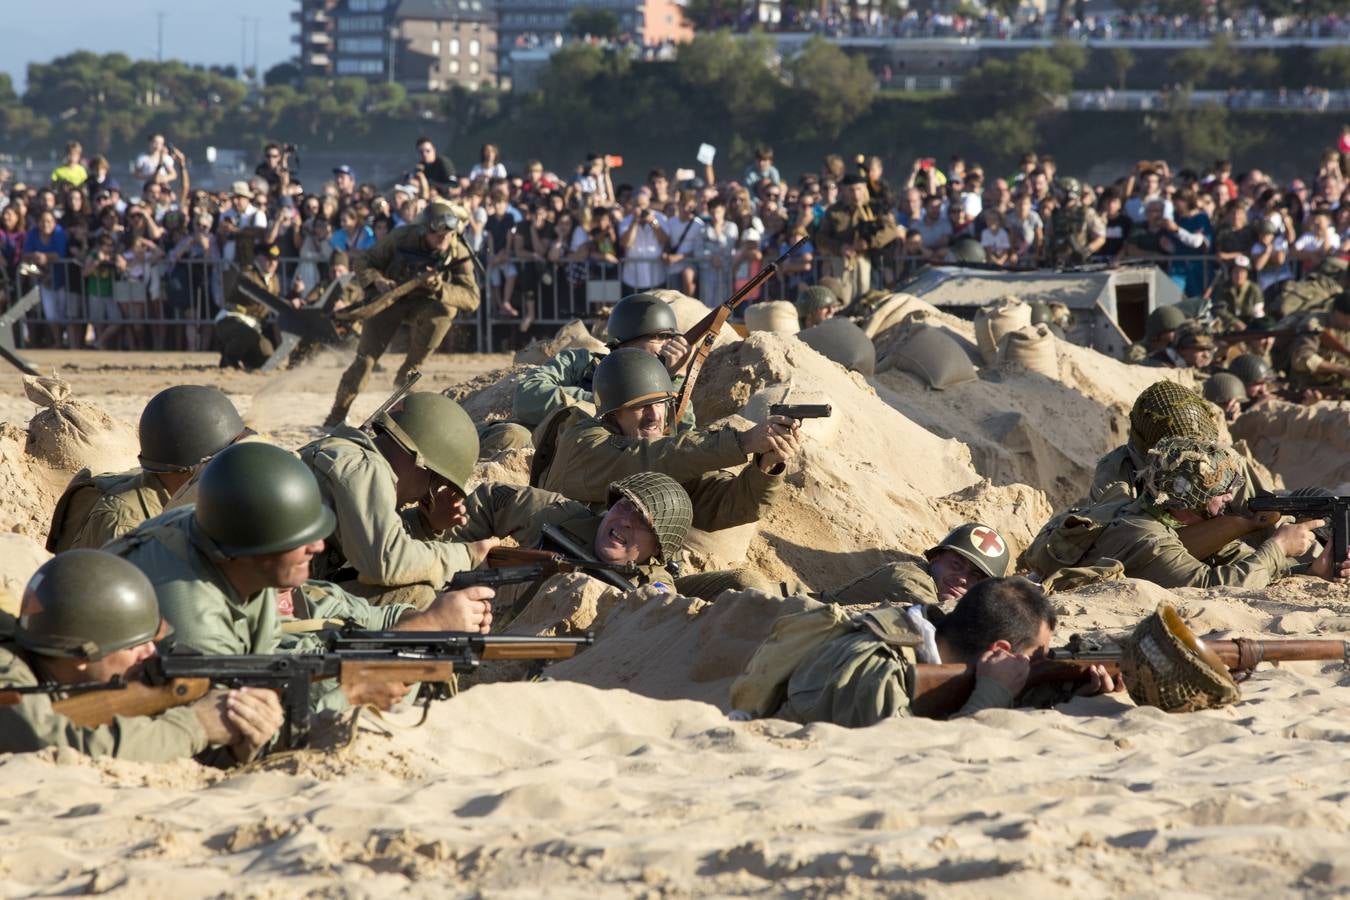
[
  {"x": 1076, "y": 231},
  {"x": 1255, "y": 373},
  {"x": 258, "y": 523},
  {"x": 180, "y": 429},
  {"x": 628, "y": 434},
  {"x": 88, "y": 616},
  {"x": 644, "y": 321},
  {"x": 816, "y": 304},
  {"x": 1188, "y": 480},
  {"x": 1191, "y": 348},
  {"x": 1159, "y": 330},
  {"x": 969, "y": 554},
  {"x": 1313, "y": 363},
  {"x": 1226, "y": 391},
  {"x": 644, "y": 524},
  {"x": 422, "y": 453},
  {"x": 433, "y": 243}
]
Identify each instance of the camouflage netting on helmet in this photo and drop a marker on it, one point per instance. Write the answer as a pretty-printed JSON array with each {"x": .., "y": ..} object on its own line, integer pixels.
[
  {"x": 1167, "y": 409},
  {"x": 1164, "y": 665},
  {"x": 1186, "y": 473},
  {"x": 662, "y": 502}
]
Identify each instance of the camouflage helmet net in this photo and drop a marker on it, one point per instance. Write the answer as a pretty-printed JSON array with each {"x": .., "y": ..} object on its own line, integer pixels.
[
  {"x": 814, "y": 297},
  {"x": 1186, "y": 473},
  {"x": 1166, "y": 666},
  {"x": 1166, "y": 409},
  {"x": 662, "y": 502}
]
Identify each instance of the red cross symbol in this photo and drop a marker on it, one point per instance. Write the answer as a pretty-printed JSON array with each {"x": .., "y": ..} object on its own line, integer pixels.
[{"x": 987, "y": 541}]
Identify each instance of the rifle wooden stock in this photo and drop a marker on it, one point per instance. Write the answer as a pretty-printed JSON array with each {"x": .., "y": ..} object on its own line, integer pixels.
[
  {"x": 704, "y": 333},
  {"x": 379, "y": 303},
  {"x": 406, "y": 671},
  {"x": 1203, "y": 539},
  {"x": 499, "y": 557},
  {"x": 534, "y": 651},
  {"x": 95, "y": 708},
  {"x": 941, "y": 690}
]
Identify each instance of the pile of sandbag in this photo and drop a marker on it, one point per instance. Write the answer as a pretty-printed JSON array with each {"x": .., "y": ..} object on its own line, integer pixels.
[{"x": 70, "y": 434}]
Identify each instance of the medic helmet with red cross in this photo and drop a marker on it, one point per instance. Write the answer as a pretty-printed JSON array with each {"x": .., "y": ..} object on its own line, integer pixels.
[{"x": 978, "y": 543}]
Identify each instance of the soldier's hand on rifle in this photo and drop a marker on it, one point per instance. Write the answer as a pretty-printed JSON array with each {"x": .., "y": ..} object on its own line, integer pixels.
[
  {"x": 435, "y": 281},
  {"x": 785, "y": 446},
  {"x": 256, "y": 715},
  {"x": 1005, "y": 668},
  {"x": 1322, "y": 566},
  {"x": 379, "y": 694},
  {"x": 1297, "y": 539},
  {"x": 756, "y": 440},
  {"x": 1100, "y": 682},
  {"x": 211, "y": 713},
  {"x": 469, "y": 609},
  {"x": 383, "y": 285},
  {"x": 673, "y": 353}
]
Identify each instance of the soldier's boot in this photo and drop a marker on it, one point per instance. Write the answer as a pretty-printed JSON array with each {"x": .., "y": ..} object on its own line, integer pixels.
[
  {"x": 500, "y": 436},
  {"x": 352, "y": 381},
  {"x": 709, "y": 585}
]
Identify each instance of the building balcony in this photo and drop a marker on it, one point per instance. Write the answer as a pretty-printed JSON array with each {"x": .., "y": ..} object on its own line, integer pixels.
[{"x": 320, "y": 38}]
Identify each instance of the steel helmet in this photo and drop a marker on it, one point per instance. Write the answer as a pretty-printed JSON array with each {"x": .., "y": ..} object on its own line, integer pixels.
[
  {"x": 640, "y": 316},
  {"x": 254, "y": 499},
  {"x": 1252, "y": 369},
  {"x": 87, "y": 604},
  {"x": 662, "y": 502},
  {"x": 978, "y": 543},
  {"x": 630, "y": 377},
  {"x": 1223, "y": 387},
  {"x": 437, "y": 432},
  {"x": 185, "y": 425}
]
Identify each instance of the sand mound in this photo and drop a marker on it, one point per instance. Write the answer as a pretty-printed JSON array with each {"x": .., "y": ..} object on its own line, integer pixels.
[
  {"x": 1309, "y": 446},
  {"x": 572, "y": 335},
  {"x": 70, "y": 434},
  {"x": 29, "y": 489},
  {"x": 20, "y": 557},
  {"x": 872, "y": 481},
  {"x": 487, "y": 397}
]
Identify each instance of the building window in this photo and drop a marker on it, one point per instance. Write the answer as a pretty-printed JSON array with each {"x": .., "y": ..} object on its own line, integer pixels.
[
  {"x": 360, "y": 67},
  {"x": 435, "y": 47},
  {"x": 454, "y": 46},
  {"x": 454, "y": 67},
  {"x": 367, "y": 5},
  {"x": 473, "y": 67},
  {"x": 473, "y": 47},
  {"x": 360, "y": 45},
  {"x": 360, "y": 23}
]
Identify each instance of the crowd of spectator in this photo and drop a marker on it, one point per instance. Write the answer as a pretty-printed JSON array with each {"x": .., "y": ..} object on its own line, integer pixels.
[{"x": 119, "y": 267}]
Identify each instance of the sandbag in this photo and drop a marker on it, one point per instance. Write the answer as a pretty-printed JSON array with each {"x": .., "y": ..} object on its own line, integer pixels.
[
  {"x": 995, "y": 320},
  {"x": 935, "y": 357},
  {"x": 1032, "y": 348},
  {"x": 894, "y": 310},
  {"x": 70, "y": 434},
  {"x": 843, "y": 342},
  {"x": 775, "y": 315}
]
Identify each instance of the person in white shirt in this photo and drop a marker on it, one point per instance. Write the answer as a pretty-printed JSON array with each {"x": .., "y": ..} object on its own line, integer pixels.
[
  {"x": 994, "y": 239},
  {"x": 1270, "y": 255},
  {"x": 720, "y": 237},
  {"x": 1318, "y": 242},
  {"x": 156, "y": 164},
  {"x": 642, "y": 240},
  {"x": 686, "y": 243},
  {"x": 489, "y": 166},
  {"x": 241, "y": 216}
]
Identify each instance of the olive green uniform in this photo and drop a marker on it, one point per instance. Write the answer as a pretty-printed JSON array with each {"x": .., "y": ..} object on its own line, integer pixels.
[
  {"x": 840, "y": 229},
  {"x": 592, "y": 454},
  {"x": 1150, "y": 549},
  {"x": 565, "y": 380},
  {"x": 1308, "y": 359},
  {"x": 862, "y": 678},
  {"x": 207, "y": 613},
  {"x": 1311, "y": 293},
  {"x": 385, "y": 546},
  {"x": 33, "y": 724},
  {"x": 239, "y": 324},
  {"x": 97, "y": 508},
  {"x": 401, "y": 256},
  {"x": 1123, "y": 465},
  {"x": 899, "y": 583},
  {"x": 1233, "y": 302}
]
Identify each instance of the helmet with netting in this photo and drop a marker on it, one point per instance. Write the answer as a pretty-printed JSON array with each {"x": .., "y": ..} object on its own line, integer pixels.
[
  {"x": 662, "y": 502},
  {"x": 1167, "y": 409},
  {"x": 1252, "y": 369},
  {"x": 1166, "y": 666},
  {"x": 1187, "y": 473}
]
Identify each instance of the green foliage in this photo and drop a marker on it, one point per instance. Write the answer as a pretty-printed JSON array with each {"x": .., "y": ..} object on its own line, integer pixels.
[
  {"x": 1122, "y": 61},
  {"x": 732, "y": 72},
  {"x": 282, "y": 73},
  {"x": 1071, "y": 56},
  {"x": 829, "y": 87},
  {"x": 1332, "y": 65},
  {"x": 1194, "y": 135},
  {"x": 1005, "y": 137},
  {"x": 594, "y": 22},
  {"x": 1015, "y": 98}
]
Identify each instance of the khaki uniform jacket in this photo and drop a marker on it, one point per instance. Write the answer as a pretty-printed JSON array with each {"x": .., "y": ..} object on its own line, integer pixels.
[
  {"x": 1308, "y": 359},
  {"x": 33, "y": 724},
  {"x": 207, "y": 613},
  {"x": 241, "y": 305},
  {"x": 840, "y": 228},
  {"x": 592, "y": 454},
  {"x": 119, "y": 501},
  {"x": 899, "y": 583},
  {"x": 565, "y": 380},
  {"x": 859, "y": 680},
  {"x": 119, "y": 511},
  {"x": 401, "y": 255},
  {"x": 385, "y": 546},
  {"x": 1152, "y": 551}
]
